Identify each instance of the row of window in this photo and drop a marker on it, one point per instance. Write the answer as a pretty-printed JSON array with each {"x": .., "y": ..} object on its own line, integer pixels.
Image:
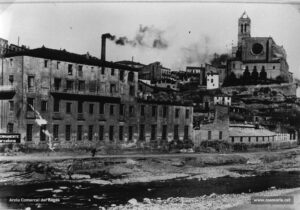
[
  {"x": 102, "y": 107},
  {"x": 81, "y": 86},
  {"x": 268, "y": 138},
  {"x": 111, "y": 132},
  {"x": 80, "y": 72}
]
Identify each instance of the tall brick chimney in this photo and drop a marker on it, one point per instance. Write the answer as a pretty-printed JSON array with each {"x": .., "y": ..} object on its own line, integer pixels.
[{"x": 103, "y": 44}]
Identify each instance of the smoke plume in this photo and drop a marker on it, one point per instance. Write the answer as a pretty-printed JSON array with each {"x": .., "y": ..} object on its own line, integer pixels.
[{"x": 146, "y": 36}]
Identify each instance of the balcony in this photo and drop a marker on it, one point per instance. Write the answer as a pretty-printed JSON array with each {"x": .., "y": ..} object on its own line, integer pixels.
[{"x": 7, "y": 92}]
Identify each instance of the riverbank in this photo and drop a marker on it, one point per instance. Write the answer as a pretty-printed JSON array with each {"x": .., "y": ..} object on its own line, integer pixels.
[
  {"x": 122, "y": 169},
  {"x": 213, "y": 202}
]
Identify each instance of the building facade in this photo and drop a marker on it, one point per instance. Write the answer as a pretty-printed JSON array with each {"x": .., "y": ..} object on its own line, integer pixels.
[
  {"x": 260, "y": 57},
  {"x": 75, "y": 100}
]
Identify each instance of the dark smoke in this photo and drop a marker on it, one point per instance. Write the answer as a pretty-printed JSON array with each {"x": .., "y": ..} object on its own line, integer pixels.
[{"x": 146, "y": 36}]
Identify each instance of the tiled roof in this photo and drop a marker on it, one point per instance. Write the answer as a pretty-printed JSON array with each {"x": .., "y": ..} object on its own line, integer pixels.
[{"x": 63, "y": 55}]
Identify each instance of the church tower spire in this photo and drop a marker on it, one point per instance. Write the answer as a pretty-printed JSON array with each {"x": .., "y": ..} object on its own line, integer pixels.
[{"x": 244, "y": 27}]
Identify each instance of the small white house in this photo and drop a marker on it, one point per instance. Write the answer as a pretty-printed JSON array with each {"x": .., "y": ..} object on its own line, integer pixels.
[
  {"x": 222, "y": 99},
  {"x": 212, "y": 80}
]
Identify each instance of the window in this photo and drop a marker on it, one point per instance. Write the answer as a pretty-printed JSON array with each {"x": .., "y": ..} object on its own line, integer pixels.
[
  {"x": 131, "y": 110},
  {"x": 177, "y": 113},
  {"x": 70, "y": 69},
  {"x": 81, "y": 85},
  {"x": 257, "y": 139},
  {"x": 57, "y": 83},
  {"x": 121, "y": 76},
  {"x": 101, "y": 132},
  {"x": 187, "y": 114},
  {"x": 273, "y": 67},
  {"x": 101, "y": 108},
  {"x": 29, "y": 132},
  {"x": 80, "y": 107},
  {"x": 92, "y": 86},
  {"x": 10, "y": 127},
  {"x": 111, "y": 109},
  {"x": 121, "y": 111},
  {"x": 11, "y": 79},
  {"x": 130, "y": 77},
  {"x": 249, "y": 139},
  {"x": 220, "y": 135},
  {"x": 29, "y": 104},
  {"x": 57, "y": 65},
  {"x": 142, "y": 110},
  {"x": 176, "y": 136},
  {"x": 165, "y": 111},
  {"x": 241, "y": 139},
  {"x": 11, "y": 62},
  {"x": 142, "y": 132},
  {"x": 154, "y": 108},
  {"x": 186, "y": 132},
  {"x": 30, "y": 82},
  {"x": 121, "y": 133},
  {"x": 56, "y": 105},
  {"x": 55, "y": 131},
  {"x": 131, "y": 90},
  {"x": 68, "y": 107},
  {"x": 212, "y": 80},
  {"x": 232, "y": 139},
  {"x": 68, "y": 132},
  {"x": 80, "y": 71},
  {"x": 43, "y": 129},
  {"x": 153, "y": 132},
  {"x": 43, "y": 106},
  {"x": 111, "y": 133},
  {"x": 91, "y": 108},
  {"x": 45, "y": 63},
  {"x": 112, "y": 72},
  {"x": 102, "y": 70},
  {"x": 90, "y": 134},
  {"x": 130, "y": 133},
  {"x": 70, "y": 84},
  {"x": 164, "y": 132},
  {"x": 79, "y": 132},
  {"x": 209, "y": 135},
  {"x": 113, "y": 88},
  {"x": 11, "y": 105}
]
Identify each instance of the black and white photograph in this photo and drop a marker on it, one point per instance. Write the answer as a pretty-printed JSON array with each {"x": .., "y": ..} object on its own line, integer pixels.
[{"x": 149, "y": 105}]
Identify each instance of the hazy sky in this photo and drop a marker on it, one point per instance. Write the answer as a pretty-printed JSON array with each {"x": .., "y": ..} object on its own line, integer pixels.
[{"x": 190, "y": 32}]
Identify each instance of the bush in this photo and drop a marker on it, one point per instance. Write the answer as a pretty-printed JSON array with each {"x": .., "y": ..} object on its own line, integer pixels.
[
  {"x": 240, "y": 147},
  {"x": 216, "y": 145}
]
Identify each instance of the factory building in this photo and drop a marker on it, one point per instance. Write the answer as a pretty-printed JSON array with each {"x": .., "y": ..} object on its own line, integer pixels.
[{"x": 79, "y": 100}]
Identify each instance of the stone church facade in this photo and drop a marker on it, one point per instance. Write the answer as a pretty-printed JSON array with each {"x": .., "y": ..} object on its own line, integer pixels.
[{"x": 259, "y": 54}]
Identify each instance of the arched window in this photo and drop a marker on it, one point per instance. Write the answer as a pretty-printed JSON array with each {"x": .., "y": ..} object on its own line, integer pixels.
[
  {"x": 130, "y": 77},
  {"x": 242, "y": 28}
]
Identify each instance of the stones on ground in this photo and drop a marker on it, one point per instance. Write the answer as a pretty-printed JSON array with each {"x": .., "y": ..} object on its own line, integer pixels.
[
  {"x": 146, "y": 201},
  {"x": 113, "y": 205},
  {"x": 27, "y": 208},
  {"x": 273, "y": 188},
  {"x": 213, "y": 195},
  {"x": 81, "y": 176},
  {"x": 133, "y": 201}
]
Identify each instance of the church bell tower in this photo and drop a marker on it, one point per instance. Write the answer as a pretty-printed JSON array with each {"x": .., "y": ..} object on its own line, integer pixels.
[{"x": 244, "y": 29}]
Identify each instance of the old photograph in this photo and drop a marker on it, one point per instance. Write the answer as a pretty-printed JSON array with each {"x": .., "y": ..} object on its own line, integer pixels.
[{"x": 149, "y": 105}]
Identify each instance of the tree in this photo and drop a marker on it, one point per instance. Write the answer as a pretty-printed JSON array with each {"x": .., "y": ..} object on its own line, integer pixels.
[
  {"x": 254, "y": 75},
  {"x": 246, "y": 76},
  {"x": 263, "y": 74}
]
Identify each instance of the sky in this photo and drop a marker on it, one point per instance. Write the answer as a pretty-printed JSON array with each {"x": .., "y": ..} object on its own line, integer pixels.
[{"x": 175, "y": 34}]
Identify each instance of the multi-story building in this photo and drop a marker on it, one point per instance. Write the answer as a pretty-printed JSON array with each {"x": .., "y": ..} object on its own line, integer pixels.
[{"x": 83, "y": 101}]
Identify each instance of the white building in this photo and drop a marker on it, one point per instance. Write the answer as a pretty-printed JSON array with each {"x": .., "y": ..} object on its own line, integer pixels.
[
  {"x": 212, "y": 81},
  {"x": 222, "y": 99}
]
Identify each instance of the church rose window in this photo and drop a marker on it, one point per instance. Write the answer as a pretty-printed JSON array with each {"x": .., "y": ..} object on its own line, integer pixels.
[{"x": 257, "y": 48}]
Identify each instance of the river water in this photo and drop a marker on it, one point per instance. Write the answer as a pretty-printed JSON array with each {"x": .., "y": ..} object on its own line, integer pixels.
[{"x": 89, "y": 196}]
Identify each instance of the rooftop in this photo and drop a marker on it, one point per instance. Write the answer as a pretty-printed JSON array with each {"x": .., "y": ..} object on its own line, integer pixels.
[{"x": 63, "y": 55}]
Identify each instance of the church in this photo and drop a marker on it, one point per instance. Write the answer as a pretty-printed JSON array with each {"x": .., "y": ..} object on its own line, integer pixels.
[{"x": 259, "y": 57}]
